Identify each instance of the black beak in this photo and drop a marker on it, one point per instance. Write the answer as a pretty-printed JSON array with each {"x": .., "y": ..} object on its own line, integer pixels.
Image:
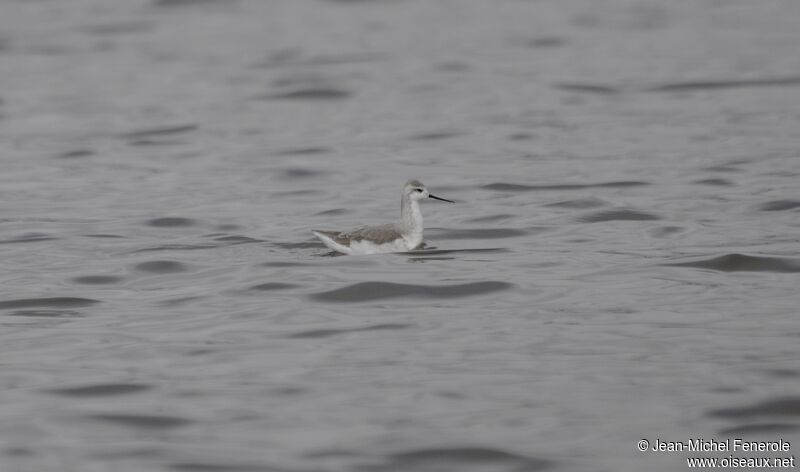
[{"x": 440, "y": 198}]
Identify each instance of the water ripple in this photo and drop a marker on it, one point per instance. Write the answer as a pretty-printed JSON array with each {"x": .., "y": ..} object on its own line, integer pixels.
[
  {"x": 29, "y": 238},
  {"x": 714, "y": 182},
  {"x": 580, "y": 203},
  {"x": 47, "y": 313},
  {"x": 588, "y": 88},
  {"x": 780, "y": 205},
  {"x": 171, "y": 222},
  {"x": 368, "y": 291},
  {"x": 618, "y": 215},
  {"x": 97, "y": 279},
  {"x": 461, "y": 459},
  {"x": 161, "y": 267},
  {"x": 491, "y": 218},
  {"x": 302, "y": 151},
  {"x": 435, "y": 135},
  {"x": 310, "y": 94},
  {"x": 507, "y": 187},
  {"x": 145, "y": 422},
  {"x": 99, "y": 390},
  {"x": 272, "y": 286},
  {"x": 760, "y": 428},
  {"x": 786, "y": 406},
  {"x": 218, "y": 467},
  {"x": 157, "y": 132},
  {"x": 238, "y": 239},
  {"x": 324, "y": 333},
  {"x": 177, "y": 247},
  {"x": 182, "y": 3},
  {"x": 76, "y": 153},
  {"x": 744, "y": 263},
  {"x": 726, "y": 84},
  {"x": 54, "y": 302},
  {"x": 294, "y": 173}
]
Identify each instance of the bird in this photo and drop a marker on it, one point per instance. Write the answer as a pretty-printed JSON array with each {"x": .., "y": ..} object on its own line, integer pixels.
[{"x": 403, "y": 236}]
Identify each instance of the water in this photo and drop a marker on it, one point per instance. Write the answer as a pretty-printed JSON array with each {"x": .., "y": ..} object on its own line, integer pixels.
[{"x": 622, "y": 262}]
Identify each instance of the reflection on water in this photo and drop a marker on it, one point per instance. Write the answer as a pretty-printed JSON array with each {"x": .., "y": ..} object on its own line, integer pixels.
[{"x": 622, "y": 262}]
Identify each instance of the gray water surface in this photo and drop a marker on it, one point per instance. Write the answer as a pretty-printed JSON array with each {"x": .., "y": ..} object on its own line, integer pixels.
[{"x": 622, "y": 261}]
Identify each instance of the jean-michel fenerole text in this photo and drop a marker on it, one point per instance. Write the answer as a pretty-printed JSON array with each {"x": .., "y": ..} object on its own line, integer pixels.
[{"x": 728, "y": 445}]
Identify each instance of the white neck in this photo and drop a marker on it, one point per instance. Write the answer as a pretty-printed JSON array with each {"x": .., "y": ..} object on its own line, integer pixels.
[{"x": 411, "y": 216}]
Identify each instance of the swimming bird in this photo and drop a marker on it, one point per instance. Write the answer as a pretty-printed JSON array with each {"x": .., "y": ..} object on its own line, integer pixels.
[{"x": 406, "y": 235}]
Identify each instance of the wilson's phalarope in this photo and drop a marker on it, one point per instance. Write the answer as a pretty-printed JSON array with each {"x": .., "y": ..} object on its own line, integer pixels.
[{"x": 393, "y": 237}]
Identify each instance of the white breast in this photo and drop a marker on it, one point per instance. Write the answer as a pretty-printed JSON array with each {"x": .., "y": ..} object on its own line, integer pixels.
[{"x": 413, "y": 240}]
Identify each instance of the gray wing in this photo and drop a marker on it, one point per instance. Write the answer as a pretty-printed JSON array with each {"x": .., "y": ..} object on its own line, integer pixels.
[
  {"x": 377, "y": 234},
  {"x": 338, "y": 236}
]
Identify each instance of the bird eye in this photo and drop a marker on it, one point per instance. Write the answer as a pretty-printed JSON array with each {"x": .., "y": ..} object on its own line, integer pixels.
[{"x": 418, "y": 189}]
